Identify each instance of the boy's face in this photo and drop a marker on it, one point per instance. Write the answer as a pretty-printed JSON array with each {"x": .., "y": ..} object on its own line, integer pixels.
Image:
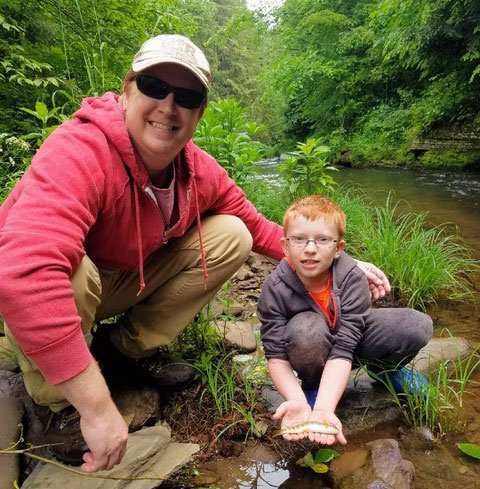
[{"x": 312, "y": 262}]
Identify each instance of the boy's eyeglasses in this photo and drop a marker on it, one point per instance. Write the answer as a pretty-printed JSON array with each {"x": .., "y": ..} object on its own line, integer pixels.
[
  {"x": 301, "y": 242},
  {"x": 159, "y": 89}
]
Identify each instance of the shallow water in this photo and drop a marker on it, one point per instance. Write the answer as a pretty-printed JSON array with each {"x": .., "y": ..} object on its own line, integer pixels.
[{"x": 448, "y": 197}]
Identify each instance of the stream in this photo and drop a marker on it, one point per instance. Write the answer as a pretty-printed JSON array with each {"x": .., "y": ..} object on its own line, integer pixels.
[{"x": 448, "y": 197}]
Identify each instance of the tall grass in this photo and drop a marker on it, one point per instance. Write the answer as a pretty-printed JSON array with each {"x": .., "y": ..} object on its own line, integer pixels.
[
  {"x": 437, "y": 405},
  {"x": 424, "y": 263}
]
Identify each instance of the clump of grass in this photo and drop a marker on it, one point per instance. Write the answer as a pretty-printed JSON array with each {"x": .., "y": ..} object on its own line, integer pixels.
[
  {"x": 437, "y": 405},
  {"x": 424, "y": 263}
]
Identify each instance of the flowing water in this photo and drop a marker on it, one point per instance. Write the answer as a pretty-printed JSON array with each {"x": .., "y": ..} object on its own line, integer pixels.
[{"x": 449, "y": 198}]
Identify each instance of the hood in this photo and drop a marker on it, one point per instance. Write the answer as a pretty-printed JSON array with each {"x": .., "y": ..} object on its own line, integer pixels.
[{"x": 106, "y": 112}]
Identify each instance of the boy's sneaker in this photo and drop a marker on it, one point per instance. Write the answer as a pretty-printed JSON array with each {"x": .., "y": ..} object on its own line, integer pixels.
[
  {"x": 405, "y": 381},
  {"x": 159, "y": 370},
  {"x": 62, "y": 432}
]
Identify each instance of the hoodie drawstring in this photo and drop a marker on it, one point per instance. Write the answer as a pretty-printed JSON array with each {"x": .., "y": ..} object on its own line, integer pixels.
[
  {"x": 139, "y": 240},
  {"x": 199, "y": 230}
]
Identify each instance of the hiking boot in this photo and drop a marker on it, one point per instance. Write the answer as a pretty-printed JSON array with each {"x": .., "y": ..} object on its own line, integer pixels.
[
  {"x": 62, "y": 431},
  {"x": 311, "y": 395},
  {"x": 159, "y": 370},
  {"x": 404, "y": 381}
]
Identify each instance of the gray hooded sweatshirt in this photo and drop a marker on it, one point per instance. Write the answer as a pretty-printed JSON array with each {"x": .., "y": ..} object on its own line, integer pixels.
[{"x": 284, "y": 296}]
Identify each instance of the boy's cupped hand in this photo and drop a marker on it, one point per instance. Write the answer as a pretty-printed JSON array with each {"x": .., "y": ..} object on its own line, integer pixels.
[{"x": 293, "y": 413}]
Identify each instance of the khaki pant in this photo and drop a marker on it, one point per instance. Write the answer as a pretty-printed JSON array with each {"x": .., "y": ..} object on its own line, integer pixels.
[{"x": 173, "y": 295}]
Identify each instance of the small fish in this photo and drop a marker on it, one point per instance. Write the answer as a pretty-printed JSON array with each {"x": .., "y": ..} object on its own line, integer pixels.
[{"x": 309, "y": 427}]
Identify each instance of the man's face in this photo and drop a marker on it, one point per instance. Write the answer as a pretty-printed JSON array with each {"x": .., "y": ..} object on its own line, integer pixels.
[
  {"x": 159, "y": 129},
  {"x": 311, "y": 262}
]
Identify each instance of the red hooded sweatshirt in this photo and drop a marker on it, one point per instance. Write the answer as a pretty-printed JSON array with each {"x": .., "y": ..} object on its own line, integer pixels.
[{"x": 87, "y": 193}]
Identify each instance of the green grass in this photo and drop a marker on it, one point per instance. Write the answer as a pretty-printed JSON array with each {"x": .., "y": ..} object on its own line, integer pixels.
[
  {"x": 438, "y": 405},
  {"x": 425, "y": 264}
]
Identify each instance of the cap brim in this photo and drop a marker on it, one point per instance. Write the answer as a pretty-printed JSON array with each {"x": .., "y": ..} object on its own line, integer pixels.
[{"x": 139, "y": 66}]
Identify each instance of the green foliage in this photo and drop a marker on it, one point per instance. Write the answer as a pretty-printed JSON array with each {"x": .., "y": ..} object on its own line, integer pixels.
[
  {"x": 439, "y": 404},
  {"x": 317, "y": 462},
  {"x": 450, "y": 159},
  {"x": 305, "y": 170},
  {"x": 42, "y": 113},
  {"x": 470, "y": 449},
  {"x": 226, "y": 134},
  {"x": 425, "y": 263},
  {"x": 15, "y": 157}
]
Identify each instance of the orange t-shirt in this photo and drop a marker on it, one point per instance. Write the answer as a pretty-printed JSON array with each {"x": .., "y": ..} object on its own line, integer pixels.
[{"x": 323, "y": 297}]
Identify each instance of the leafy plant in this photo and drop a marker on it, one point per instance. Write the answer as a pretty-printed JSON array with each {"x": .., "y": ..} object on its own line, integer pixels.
[
  {"x": 42, "y": 113},
  {"x": 470, "y": 449},
  {"x": 226, "y": 134},
  {"x": 318, "y": 461},
  {"x": 305, "y": 171}
]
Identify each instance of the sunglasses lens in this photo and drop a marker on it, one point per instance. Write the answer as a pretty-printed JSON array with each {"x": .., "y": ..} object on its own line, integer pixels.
[
  {"x": 188, "y": 99},
  {"x": 155, "y": 88},
  {"x": 152, "y": 87}
]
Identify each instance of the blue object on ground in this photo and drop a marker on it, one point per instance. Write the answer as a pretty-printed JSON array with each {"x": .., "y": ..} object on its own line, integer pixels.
[
  {"x": 405, "y": 380},
  {"x": 311, "y": 395}
]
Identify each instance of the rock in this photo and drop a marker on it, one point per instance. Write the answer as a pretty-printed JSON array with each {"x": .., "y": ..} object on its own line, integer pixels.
[
  {"x": 138, "y": 404},
  {"x": 150, "y": 453},
  {"x": 389, "y": 465},
  {"x": 238, "y": 334},
  {"x": 11, "y": 410},
  {"x": 244, "y": 274},
  {"x": 381, "y": 466},
  {"x": 439, "y": 349},
  {"x": 348, "y": 463}
]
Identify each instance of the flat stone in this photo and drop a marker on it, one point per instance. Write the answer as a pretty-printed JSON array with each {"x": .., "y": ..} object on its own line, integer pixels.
[
  {"x": 11, "y": 414},
  {"x": 150, "y": 453},
  {"x": 238, "y": 334}
]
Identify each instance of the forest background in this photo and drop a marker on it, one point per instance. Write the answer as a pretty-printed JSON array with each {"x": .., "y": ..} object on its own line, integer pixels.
[{"x": 366, "y": 77}]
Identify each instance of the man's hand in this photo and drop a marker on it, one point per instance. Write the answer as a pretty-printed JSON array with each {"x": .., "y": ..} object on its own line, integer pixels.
[
  {"x": 326, "y": 417},
  {"x": 377, "y": 280},
  {"x": 106, "y": 435},
  {"x": 293, "y": 413},
  {"x": 103, "y": 428}
]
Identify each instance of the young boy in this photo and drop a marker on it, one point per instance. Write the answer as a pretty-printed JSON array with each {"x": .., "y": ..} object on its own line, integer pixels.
[{"x": 317, "y": 320}]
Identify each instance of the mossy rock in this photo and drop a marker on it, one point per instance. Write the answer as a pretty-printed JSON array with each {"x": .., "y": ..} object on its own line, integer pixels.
[{"x": 450, "y": 159}]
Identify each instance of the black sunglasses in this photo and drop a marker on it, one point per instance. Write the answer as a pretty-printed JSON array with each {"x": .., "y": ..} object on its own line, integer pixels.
[{"x": 155, "y": 88}]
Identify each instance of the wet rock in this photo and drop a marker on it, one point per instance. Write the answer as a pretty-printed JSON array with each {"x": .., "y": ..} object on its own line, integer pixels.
[
  {"x": 439, "y": 349},
  {"x": 150, "y": 453},
  {"x": 348, "y": 463},
  {"x": 378, "y": 485},
  {"x": 380, "y": 466},
  {"x": 238, "y": 334}
]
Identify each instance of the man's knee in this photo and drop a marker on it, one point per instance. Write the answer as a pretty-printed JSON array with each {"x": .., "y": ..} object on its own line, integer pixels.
[{"x": 228, "y": 236}]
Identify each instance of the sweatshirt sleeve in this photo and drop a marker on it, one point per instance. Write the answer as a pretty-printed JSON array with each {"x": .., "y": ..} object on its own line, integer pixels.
[
  {"x": 355, "y": 306},
  {"x": 220, "y": 195},
  {"x": 271, "y": 313},
  {"x": 44, "y": 224}
]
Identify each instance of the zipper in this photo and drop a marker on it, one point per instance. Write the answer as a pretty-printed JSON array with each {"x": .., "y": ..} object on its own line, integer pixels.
[{"x": 153, "y": 198}]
